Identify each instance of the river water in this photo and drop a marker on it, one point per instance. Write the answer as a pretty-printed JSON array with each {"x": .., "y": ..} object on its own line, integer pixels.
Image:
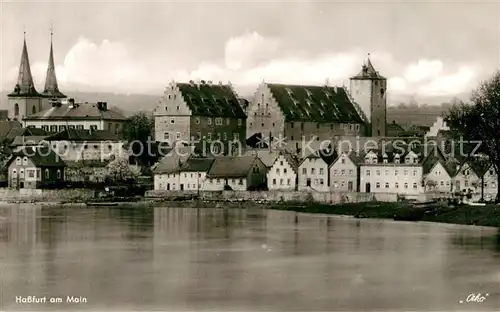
[{"x": 185, "y": 259}]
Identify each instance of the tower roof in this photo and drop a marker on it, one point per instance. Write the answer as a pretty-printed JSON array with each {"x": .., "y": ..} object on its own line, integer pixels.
[
  {"x": 368, "y": 71},
  {"x": 51, "y": 88},
  {"x": 24, "y": 85}
]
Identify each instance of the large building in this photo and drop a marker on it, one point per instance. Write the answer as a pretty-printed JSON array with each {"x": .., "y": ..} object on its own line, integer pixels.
[
  {"x": 88, "y": 116},
  {"x": 25, "y": 100},
  {"x": 206, "y": 115},
  {"x": 368, "y": 89}
]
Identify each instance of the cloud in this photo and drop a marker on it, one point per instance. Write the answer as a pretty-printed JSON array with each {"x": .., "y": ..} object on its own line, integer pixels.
[{"x": 248, "y": 60}]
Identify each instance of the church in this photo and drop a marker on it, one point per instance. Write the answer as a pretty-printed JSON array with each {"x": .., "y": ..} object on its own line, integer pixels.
[{"x": 25, "y": 100}]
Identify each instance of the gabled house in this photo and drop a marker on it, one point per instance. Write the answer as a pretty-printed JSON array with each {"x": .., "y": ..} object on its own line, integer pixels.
[
  {"x": 490, "y": 183},
  {"x": 236, "y": 173},
  {"x": 344, "y": 173},
  {"x": 466, "y": 179},
  {"x": 313, "y": 171},
  {"x": 283, "y": 174},
  {"x": 35, "y": 168},
  {"x": 438, "y": 173},
  {"x": 193, "y": 173},
  {"x": 166, "y": 172}
]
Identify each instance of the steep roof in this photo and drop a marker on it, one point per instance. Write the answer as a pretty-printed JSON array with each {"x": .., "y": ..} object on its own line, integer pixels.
[
  {"x": 171, "y": 162},
  {"x": 193, "y": 164},
  {"x": 51, "y": 87},
  {"x": 86, "y": 111},
  {"x": 27, "y": 140},
  {"x": 328, "y": 157},
  {"x": 9, "y": 129},
  {"x": 435, "y": 156},
  {"x": 25, "y": 85},
  {"x": 215, "y": 100},
  {"x": 315, "y": 103},
  {"x": 83, "y": 135},
  {"x": 351, "y": 155},
  {"x": 231, "y": 167},
  {"x": 368, "y": 72},
  {"x": 41, "y": 157},
  {"x": 268, "y": 157}
]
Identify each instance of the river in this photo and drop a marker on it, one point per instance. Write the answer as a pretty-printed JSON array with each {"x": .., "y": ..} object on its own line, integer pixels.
[{"x": 186, "y": 259}]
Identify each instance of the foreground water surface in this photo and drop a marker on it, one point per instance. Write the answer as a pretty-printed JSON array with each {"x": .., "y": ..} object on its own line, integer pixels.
[{"x": 174, "y": 259}]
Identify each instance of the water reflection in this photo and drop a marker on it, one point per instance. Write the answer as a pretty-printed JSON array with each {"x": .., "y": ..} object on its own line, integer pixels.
[{"x": 173, "y": 259}]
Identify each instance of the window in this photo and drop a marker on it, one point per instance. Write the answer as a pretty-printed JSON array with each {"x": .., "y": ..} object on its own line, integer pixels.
[
  {"x": 321, "y": 181},
  {"x": 396, "y": 172},
  {"x": 281, "y": 162},
  {"x": 405, "y": 172},
  {"x": 414, "y": 172},
  {"x": 274, "y": 181},
  {"x": 386, "y": 172},
  {"x": 342, "y": 161},
  {"x": 228, "y": 121},
  {"x": 304, "y": 170},
  {"x": 224, "y": 136},
  {"x": 367, "y": 172},
  {"x": 96, "y": 147},
  {"x": 209, "y": 121},
  {"x": 378, "y": 172},
  {"x": 386, "y": 185},
  {"x": 177, "y": 107},
  {"x": 342, "y": 184},
  {"x": 396, "y": 185},
  {"x": 321, "y": 170},
  {"x": 415, "y": 160},
  {"x": 53, "y": 128},
  {"x": 281, "y": 181},
  {"x": 58, "y": 173},
  {"x": 198, "y": 135},
  {"x": 209, "y": 136},
  {"x": 16, "y": 109},
  {"x": 178, "y": 135},
  {"x": 313, "y": 170},
  {"x": 377, "y": 185},
  {"x": 47, "y": 174},
  {"x": 288, "y": 182},
  {"x": 172, "y": 120},
  {"x": 62, "y": 128},
  {"x": 166, "y": 136},
  {"x": 197, "y": 120},
  {"x": 236, "y": 136},
  {"x": 442, "y": 183},
  {"x": 218, "y": 121},
  {"x": 414, "y": 185},
  {"x": 93, "y": 127},
  {"x": 351, "y": 172},
  {"x": 18, "y": 161},
  {"x": 240, "y": 122},
  {"x": 493, "y": 184},
  {"x": 79, "y": 127},
  {"x": 406, "y": 185},
  {"x": 284, "y": 171},
  {"x": 241, "y": 182},
  {"x": 277, "y": 170},
  {"x": 25, "y": 160},
  {"x": 31, "y": 173},
  {"x": 342, "y": 172},
  {"x": 466, "y": 183}
]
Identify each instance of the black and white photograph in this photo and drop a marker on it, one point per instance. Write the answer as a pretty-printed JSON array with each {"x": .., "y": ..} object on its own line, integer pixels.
[{"x": 248, "y": 156}]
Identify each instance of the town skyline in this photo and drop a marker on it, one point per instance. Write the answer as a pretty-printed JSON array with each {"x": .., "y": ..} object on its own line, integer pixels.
[{"x": 121, "y": 59}]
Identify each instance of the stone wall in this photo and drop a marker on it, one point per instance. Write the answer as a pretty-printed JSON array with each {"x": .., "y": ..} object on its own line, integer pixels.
[
  {"x": 296, "y": 196},
  {"x": 7, "y": 194}
]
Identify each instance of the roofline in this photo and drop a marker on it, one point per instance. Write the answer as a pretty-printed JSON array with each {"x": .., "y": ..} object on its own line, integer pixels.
[{"x": 71, "y": 118}]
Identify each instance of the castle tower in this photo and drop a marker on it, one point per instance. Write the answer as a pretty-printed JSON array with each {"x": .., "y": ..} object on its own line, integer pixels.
[
  {"x": 368, "y": 89},
  {"x": 24, "y": 100},
  {"x": 51, "y": 90}
]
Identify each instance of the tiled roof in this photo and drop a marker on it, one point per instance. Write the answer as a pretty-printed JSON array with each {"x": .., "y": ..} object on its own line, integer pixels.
[
  {"x": 25, "y": 85},
  {"x": 433, "y": 157},
  {"x": 171, "y": 162},
  {"x": 290, "y": 158},
  {"x": 197, "y": 164},
  {"x": 87, "y": 163},
  {"x": 315, "y": 103},
  {"x": 86, "y": 111},
  {"x": 83, "y": 135},
  {"x": 41, "y": 157},
  {"x": 268, "y": 157},
  {"x": 351, "y": 155},
  {"x": 27, "y": 140},
  {"x": 393, "y": 129},
  {"x": 231, "y": 167},
  {"x": 328, "y": 156},
  {"x": 214, "y": 100},
  {"x": 368, "y": 72},
  {"x": 9, "y": 129}
]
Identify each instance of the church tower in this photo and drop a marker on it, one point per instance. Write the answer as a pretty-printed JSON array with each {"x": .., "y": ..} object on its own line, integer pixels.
[
  {"x": 51, "y": 91},
  {"x": 24, "y": 100},
  {"x": 368, "y": 89}
]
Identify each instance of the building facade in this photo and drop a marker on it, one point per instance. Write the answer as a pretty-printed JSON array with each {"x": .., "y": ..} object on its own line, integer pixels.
[
  {"x": 282, "y": 175},
  {"x": 313, "y": 172},
  {"x": 369, "y": 90},
  {"x": 205, "y": 115},
  {"x": 236, "y": 173},
  {"x": 344, "y": 173}
]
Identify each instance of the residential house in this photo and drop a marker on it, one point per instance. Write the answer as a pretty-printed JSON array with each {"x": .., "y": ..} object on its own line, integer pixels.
[
  {"x": 268, "y": 156},
  {"x": 438, "y": 173},
  {"x": 206, "y": 115},
  {"x": 490, "y": 183},
  {"x": 283, "y": 174},
  {"x": 77, "y": 145},
  {"x": 166, "y": 173},
  {"x": 392, "y": 171},
  {"x": 313, "y": 171},
  {"x": 467, "y": 179},
  {"x": 79, "y": 116},
  {"x": 344, "y": 173},
  {"x": 193, "y": 172},
  {"x": 35, "y": 168},
  {"x": 236, "y": 173}
]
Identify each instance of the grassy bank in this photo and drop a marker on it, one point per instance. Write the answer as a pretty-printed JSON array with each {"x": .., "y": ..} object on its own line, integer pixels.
[{"x": 488, "y": 215}]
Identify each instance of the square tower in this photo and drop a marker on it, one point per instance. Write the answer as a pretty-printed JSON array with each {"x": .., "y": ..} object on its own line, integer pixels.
[{"x": 368, "y": 89}]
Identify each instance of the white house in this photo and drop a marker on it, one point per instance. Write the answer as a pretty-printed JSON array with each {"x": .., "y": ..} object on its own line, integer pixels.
[
  {"x": 438, "y": 176},
  {"x": 391, "y": 172},
  {"x": 490, "y": 183},
  {"x": 235, "y": 173},
  {"x": 166, "y": 173},
  {"x": 466, "y": 179},
  {"x": 313, "y": 171},
  {"x": 344, "y": 173},
  {"x": 282, "y": 175}
]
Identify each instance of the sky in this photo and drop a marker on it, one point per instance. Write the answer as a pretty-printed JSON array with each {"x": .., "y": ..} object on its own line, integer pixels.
[{"x": 423, "y": 48}]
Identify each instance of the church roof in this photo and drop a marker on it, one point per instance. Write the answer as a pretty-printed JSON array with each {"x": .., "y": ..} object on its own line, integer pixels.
[
  {"x": 87, "y": 111},
  {"x": 51, "y": 87},
  {"x": 368, "y": 72},
  {"x": 214, "y": 100},
  {"x": 315, "y": 103},
  {"x": 25, "y": 85}
]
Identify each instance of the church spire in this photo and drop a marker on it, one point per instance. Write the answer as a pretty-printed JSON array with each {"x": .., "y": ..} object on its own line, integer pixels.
[
  {"x": 51, "y": 87},
  {"x": 24, "y": 85}
]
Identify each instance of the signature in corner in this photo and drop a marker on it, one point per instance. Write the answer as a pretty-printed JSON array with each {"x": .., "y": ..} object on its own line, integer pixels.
[{"x": 475, "y": 298}]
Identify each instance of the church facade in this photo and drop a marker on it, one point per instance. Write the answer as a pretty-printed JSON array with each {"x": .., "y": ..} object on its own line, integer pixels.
[{"x": 25, "y": 100}]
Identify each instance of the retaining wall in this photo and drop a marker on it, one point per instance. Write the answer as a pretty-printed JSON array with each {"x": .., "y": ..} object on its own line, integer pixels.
[{"x": 7, "y": 194}]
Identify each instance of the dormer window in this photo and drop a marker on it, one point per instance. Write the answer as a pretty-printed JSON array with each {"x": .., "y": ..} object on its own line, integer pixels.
[
  {"x": 415, "y": 160},
  {"x": 375, "y": 160},
  {"x": 367, "y": 160},
  {"x": 407, "y": 160},
  {"x": 385, "y": 160}
]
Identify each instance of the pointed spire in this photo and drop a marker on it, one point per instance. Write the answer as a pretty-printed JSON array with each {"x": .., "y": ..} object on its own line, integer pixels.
[
  {"x": 51, "y": 87},
  {"x": 24, "y": 85},
  {"x": 368, "y": 71}
]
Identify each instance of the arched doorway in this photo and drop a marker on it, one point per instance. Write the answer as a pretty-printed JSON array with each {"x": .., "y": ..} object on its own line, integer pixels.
[
  {"x": 368, "y": 187},
  {"x": 16, "y": 109}
]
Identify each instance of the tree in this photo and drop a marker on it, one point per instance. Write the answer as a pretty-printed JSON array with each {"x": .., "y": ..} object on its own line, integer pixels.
[
  {"x": 119, "y": 170},
  {"x": 480, "y": 120},
  {"x": 138, "y": 131}
]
